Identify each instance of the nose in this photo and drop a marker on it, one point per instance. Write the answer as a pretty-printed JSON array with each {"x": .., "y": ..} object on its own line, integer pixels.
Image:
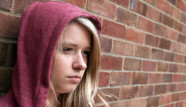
[{"x": 79, "y": 63}]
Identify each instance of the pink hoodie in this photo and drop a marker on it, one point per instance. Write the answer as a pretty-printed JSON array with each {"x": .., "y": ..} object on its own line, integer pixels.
[{"x": 41, "y": 26}]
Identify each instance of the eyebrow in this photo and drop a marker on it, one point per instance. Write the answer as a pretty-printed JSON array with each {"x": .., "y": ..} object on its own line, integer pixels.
[{"x": 73, "y": 44}]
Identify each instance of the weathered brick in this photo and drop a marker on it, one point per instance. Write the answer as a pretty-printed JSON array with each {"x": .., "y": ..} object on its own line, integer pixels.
[
  {"x": 123, "y": 48},
  {"x": 182, "y": 68},
  {"x": 163, "y": 5},
  {"x": 104, "y": 79},
  {"x": 178, "y": 58},
  {"x": 6, "y": 4},
  {"x": 152, "y": 40},
  {"x": 177, "y": 78},
  {"x": 80, "y": 3},
  {"x": 182, "y": 38},
  {"x": 111, "y": 62},
  {"x": 120, "y": 104},
  {"x": 9, "y": 26},
  {"x": 160, "y": 89},
  {"x": 175, "y": 46},
  {"x": 133, "y": 4},
  {"x": 135, "y": 36},
  {"x": 132, "y": 64},
  {"x": 154, "y": 14},
  {"x": 174, "y": 12},
  {"x": 168, "y": 56},
  {"x": 182, "y": 48},
  {"x": 5, "y": 80},
  {"x": 145, "y": 24},
  {"x": 155, "y": 78},
  {"x": 164, "y": 99},
  {"x": 101, "y": 7},
  {"x": 152, "y": 101},
  {"x": 141, "y": 51},
  {"x": 139, "y": 5},
  {"x": 171, "y": 88},
  {"x": 128, "y": 92},
  {"x": 172, "y": 2},
  {"x": 139, "y": 78},
  {"x": 124, "y": 80},
  {"x": 170, "y": 105},
  {"x": 171, "y": 34},
  {"x": 146, "y": 90},
  {"x": 106, "y": 44},
  {"x": 113, "y": 29},
  {"x": 184, "y": 29},
  {"x": 143, "y": 10},
  {"x": 162, "y": 67},
  {"x": 149, "y": 65},
  {"x": 152, "y": 2},
  {"x": 126, "y": 17},
  {"x": 178, "y": 26},
  {"x": 164, "y": 43},
  {"x": 176, "y": 97},
  {"x": 168, "y": 21},
  {"x": 159, "y": 30},
  {"x": 167, "y": 77},
  {"x": 183, "y": 96},
  {"x": 180, "y": 87},
  {"x": 173, "y": 68},
  {"x": 113, "y": 93},
  {"x": 181, "y": 5},
  {"x": 138, "y": 103},
  {"x": 179, "y": 104},
  {"x": 157, "y": 54},
  {"x": 124, "y": 3}
]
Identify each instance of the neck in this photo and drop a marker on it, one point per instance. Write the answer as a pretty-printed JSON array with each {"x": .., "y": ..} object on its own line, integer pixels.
[{"x": 52, "y": 100}]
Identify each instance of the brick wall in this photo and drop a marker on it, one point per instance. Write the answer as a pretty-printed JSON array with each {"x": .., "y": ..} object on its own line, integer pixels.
[{"x": 143, "y": 44}]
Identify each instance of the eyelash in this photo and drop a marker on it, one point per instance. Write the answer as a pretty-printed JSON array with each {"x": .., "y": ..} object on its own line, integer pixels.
[{"x": 69, "y": 50}]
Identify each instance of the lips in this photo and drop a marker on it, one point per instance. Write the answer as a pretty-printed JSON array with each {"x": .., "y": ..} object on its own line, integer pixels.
[{"x": 75, "y": 79}]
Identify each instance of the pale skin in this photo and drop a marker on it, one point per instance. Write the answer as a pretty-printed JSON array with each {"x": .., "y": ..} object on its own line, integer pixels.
[{"x": 71, "y": 60}]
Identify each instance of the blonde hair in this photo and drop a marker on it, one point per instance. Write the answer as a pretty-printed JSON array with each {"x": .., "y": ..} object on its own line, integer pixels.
[{"x": 85, "y": 93}]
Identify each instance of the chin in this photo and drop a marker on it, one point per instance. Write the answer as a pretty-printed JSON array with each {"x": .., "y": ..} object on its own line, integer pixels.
[{"x": 66, "y": 89}]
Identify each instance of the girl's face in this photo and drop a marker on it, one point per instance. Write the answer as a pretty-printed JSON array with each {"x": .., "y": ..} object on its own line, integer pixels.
[{"x": 71, "y": 60}]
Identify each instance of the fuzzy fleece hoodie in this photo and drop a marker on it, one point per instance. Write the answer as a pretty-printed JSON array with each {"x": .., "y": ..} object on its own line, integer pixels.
[{"x": 41, "y": 26}]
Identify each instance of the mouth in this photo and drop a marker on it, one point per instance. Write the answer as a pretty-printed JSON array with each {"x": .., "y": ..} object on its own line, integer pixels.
[{"x": 74, "y": 79}]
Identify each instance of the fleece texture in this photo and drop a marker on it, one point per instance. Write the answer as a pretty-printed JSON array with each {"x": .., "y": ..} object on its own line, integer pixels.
[{"x": 41, "y": 27}]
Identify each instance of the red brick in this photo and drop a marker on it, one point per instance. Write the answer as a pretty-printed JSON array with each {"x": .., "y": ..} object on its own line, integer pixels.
[
  {"x": 173, "y": 68},
  {"x": 174, "y": 12},
  {"x": 125, "y": 80},
  {"x": 182, "y": 68},
  {"x": 170, "y": 105},
  {"x": 160, "y": 89},
  {"x": 139, "y": 5},
  {"x": 111, "y": 62},
  {"x": 182, "y": 38},
  {"x": 145, "y": 24},
  {"x": 113, "y": 29},
  {"x": 167, "y": 77},
  {"x": 154, "y": 14},
  {"x": 164, "y": 43},
  {"x": 120, "y": 104},
  {"x": 167, "y": 21},
  {"x": 179, "y": 104},
  {"x": 128, "y": 92},
  {"x": 157, "y": 54},
  {"x": 5, "y": 80},
  {"x": 149, "y": 65},
  {"x": 181, "y": 5},
  {"x": 159, "y": 30},
  {"x": 178, "y": 58},
  {"x": 143, "y": 10},
  {"x": 6, "y": 4},
  {"x": 178, "y": 26},
  {"x": 152, "y": 40},
  {"x": 132, "y": 64},
  {"x": 126, "y": 17},
  {"x": 139, "y": 78},
  {"x": 152, "y": 101},
  {"x": 80, "y": 3},
  {"x": 177, "y": 78},
  {"x": 124, "y": 3},
  {"x": 164, "y": 99},
  {"x": 135, "y": 36},
  {"x": 183, "y": 96},
  {"x": 182, "y": 48},
  {"x": 123, "y": 48},
  {"x": 141, "y": 51},
  {"x": 146, "y": 90},
  {"x": 9, "y": 26},
  {"x": 171, "y": 34},
  {"x": 175, "y": 46},
  {"x": 155, "y": 78},
  {"x": 175, "y": 97},
  {"x": 163, "y": 5},
  {"x": 162, "y": 67},
  {"x": 168, "y": 56},
  {"x": 171, "y": 88},
  {"x": 138, "y": 103},
  {"x": 172, "y": 2},
  {"x": 106, "y": 44},
  {"x": 152, "y": 2},
  {"x": 184, "y": 29},
  {"x": 102, "y": 7},
  {"x": 180, "y": 87},
  {"x": 112, "y": 94},
  {"x": 104, "y": 79}
]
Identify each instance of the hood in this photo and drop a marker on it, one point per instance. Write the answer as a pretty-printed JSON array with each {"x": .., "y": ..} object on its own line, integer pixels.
[{"x": 41, "y": 26}]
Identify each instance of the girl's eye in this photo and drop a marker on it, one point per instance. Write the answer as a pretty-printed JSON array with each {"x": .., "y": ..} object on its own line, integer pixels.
[
  {"x": 67, "y": 50},
  {"x": 87, "y": 53}
]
